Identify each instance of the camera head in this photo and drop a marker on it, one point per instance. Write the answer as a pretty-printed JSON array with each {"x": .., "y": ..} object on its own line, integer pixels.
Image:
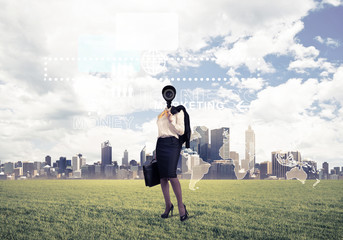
[{"x": 168, "y": 93}]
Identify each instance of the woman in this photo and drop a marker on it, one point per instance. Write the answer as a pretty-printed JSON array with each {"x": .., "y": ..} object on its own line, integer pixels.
[{"x": 168, "y": 148}]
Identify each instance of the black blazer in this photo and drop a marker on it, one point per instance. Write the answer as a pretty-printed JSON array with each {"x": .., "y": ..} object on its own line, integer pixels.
[{"x": 187, "y": 134}]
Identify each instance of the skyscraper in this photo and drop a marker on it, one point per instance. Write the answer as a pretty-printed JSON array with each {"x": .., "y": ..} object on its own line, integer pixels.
[
  {"x": 48, "y": 160},
  {"x": 194, "y": 144},
  {"x": 106, "y": 154},
  {"x": 76, "y": 163},
  {"x": 265, "y": 169},
  {"x": 203, "y": 142},
  {"x": 62, "y": 164},
  {"x": 143, "y": 156},
  {"x": 250, "y": 149},
  {"x": 336, "y": 170},
  {"x": 326, "y": 170},
  {"x": 125, "y": 160},
  {"x": 220, "y": 144},
  {"x": 235, "y": 157},
  {"x": 82, "y": 160},
  {"x": 279, "y": 170}
]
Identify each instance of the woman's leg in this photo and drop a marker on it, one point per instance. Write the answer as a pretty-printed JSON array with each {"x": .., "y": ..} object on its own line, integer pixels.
[
  {"x": 165, "y": 190},
  {"x": 178, "y": 193}
]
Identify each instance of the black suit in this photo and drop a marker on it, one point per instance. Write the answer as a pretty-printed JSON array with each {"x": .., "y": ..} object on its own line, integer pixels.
[{"x": 187, "y": 134}]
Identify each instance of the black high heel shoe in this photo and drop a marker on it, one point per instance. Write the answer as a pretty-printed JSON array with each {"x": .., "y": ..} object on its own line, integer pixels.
[
  {"x": 184, "y": 217},
  {"x": 165, "y": 215}
]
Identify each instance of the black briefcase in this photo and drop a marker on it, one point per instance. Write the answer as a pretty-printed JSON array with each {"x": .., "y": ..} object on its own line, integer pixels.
[{"x": 151, "y": 173}]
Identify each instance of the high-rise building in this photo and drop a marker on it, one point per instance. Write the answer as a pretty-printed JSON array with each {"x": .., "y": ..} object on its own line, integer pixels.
[
  {"x": 194, "y": 144},
  {"x": 76, "y": 163},
  {"x": 8, "y": 168},
  {"x": 203, "y": 142},
  {"x": 82, "y": 159},
  {"x": 48, "y": 160},
  {"x": 28, "y": 168},
  {"x": 326, "y": 170},
  {"x": 62, "y": 164},
  {"x": 220, "y": 144},
  {"x": 106, "y": 154},
  {"x": 235, "y": 157},
  {"x": 278, "y": 169},
  {"x": 143, "y": 156},
  {"x": 125, "y": 159},
  {"x": 265, "y": 169},
  {"x": 37, "y": 165},
  {"x": 250, "y": 157},
  {"x": 336, "y": 170}
]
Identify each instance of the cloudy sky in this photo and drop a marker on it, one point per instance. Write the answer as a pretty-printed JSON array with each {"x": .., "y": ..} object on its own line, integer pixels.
[{"x": 74, "y": 74}]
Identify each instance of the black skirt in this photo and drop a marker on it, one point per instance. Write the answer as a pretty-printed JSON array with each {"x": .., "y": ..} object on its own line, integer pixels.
[{"x": 167, "y": 155}]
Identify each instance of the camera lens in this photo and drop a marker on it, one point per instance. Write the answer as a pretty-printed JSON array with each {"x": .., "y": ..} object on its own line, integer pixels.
[{"x": 169, "y": 93}]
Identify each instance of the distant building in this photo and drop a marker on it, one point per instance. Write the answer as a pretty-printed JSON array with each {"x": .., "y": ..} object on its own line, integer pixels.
[
  {"x": 97, "y": 171},
  {"x": 325, "y": 170},
  {"x": 194, "y": 145},
  {"x": 28, "y": 168},
  {"x": 18, "y": 164},
  {"x": 133, "y": 163},
  {"x": 220, "y": 143},
  {"x": 68, "y": 163},
  {"x": 106, "y": 154},
  {"x": 82, "y": 159},
  {"x": 310, "y": 167},
  {"x": 18, "y": 172},
  {"x": 48, "y": 160},
  {"x": 235, "y": 157},
  {"x": 125, "y": 159},
  {"x": 8, "y": 168},
  {"x": 203, "y": 142},
  {"x": 110, "y": 171},
  {"x": 265, "y": 169},
  {"x": 37, "y": 165},
  {"x": 337, "y": 170},
  {"x": 76, "y": 163},
  {"x": 62, "y": 165},
  {"x": 221, "y": 169},
  {"x": 143, "y": 156},
  {"x": 279, "y": 170},
  {"x": 250, "y": 158}
]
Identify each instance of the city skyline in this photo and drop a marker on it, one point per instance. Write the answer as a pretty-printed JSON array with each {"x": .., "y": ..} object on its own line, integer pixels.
[
  {"x": 224, "y": 164},
  {"x": 205, "y": 133}
]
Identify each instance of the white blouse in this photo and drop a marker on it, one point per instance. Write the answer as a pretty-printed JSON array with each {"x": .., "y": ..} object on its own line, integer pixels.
[{"x": 168, "y": 128}]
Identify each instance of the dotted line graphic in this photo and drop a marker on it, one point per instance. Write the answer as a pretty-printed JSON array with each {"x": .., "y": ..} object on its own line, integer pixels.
[{"x": 131, "y": 59}]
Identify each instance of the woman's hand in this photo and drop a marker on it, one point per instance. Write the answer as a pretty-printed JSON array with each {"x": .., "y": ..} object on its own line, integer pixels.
[{"x": 170, "y": 116}]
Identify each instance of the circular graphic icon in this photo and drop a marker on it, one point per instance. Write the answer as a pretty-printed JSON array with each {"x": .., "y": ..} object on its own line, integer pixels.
[{"x": 153, "y": 62}]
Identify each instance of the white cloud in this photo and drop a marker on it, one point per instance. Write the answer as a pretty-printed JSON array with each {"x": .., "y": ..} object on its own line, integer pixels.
[
  {"x": 332, "y": 89},
  {"x": 306, "y": 64},
  {"x": 330, "y": 42},
  {"x": 335, "y": 3},
  {"x": 36, "y": 116},
  {"x": 285, "y": 102}
]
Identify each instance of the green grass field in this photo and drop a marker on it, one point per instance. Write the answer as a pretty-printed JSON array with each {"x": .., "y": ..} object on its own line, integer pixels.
[{"x": 126, "y": 209}]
